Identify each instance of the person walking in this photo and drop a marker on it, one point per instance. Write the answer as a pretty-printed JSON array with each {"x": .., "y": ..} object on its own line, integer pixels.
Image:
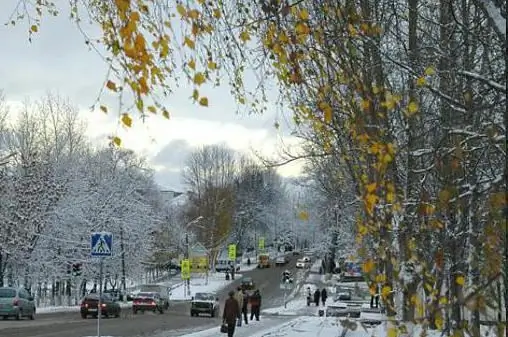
[
  {"x": 374, "y": 295},
  {"x": 317, "y": 295},
  {"x": 255, "y": 305},
  {"x": 244, "y": 306},
  {"x": 239, "y": 299},
  {"x": 231, "y": 313},
  {"x": 309, "y": 296},
  {"x": 324, "y": 296}
]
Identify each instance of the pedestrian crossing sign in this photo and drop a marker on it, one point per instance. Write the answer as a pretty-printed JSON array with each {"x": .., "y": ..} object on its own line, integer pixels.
[{"x": 101, "y": 244}]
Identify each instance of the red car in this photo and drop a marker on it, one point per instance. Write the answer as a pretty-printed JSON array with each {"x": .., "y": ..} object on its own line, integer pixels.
[{"x": 147, "y": 301}]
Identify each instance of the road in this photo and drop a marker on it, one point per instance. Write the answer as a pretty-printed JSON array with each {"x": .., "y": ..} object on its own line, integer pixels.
[{"x": 129, "y": 325}]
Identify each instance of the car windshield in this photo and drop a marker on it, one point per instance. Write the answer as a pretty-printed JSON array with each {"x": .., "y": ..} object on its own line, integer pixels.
[
  {"x": 247, "y": 280},
  {"x": 146, "y": 295},
  {"x": 7, "y": 293},
  {"x": 204, "y": 297}
]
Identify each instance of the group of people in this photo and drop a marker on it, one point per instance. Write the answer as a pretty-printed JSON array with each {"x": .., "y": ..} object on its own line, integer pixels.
[
  {"x": 318, "y": 295},
  {"x": 236, "y": 306}
]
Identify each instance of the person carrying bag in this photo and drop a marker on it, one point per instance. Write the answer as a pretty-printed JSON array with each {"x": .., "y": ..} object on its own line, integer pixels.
[{"x": 230, "y": 315}]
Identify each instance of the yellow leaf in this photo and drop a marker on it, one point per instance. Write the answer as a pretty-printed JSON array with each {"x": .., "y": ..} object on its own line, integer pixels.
[
  {"x": 203, "y": 101},
  {"x": 368, "y": 266},
  {"x": 302, "y": 29},
  {"x": 443, "y": 300},
  {"x": 304, "y": 14},
  {"x": 199, "y": 78},
  {"x": 429, "y": 71},
  {"x": 421, "y": 81},
  {"x": 193, "y": 14},
  {"x": 165, "y": 114},
  {"x": 195, "y": 94},
  {"x": 212, "y": 65},
  {"x": 216, "y": 13},
  {"x": 189, "y": 43},
  {"x": 116, "y": 141},
  {"x": 385, "y": 292},
  {"x": 460, "y": 280},
  {"x": 303, "y": 215},
  {"x": 391, "y": 332},
  {"x": 111, "y": 85},
  {"x": 104, "y": 109},
  {"x": 365, "y": 104},
  {"x": 192, "y": 64},
  {"x": 244, "y": 36},
  {"x": 390, "y": 197},
  {"x": 327, "y": 111},
  {"x": 412, "y": 108},
  {"x": 34, "y": 28},
  {"x": 241, "y": 100},
  {"x": 126, "y": 120},
  {"x": 181, "y": 10},
  {"x": 152, "y": 109},
  {"x": 438, "y": 321},
  {"x": 371, "y": 187}
]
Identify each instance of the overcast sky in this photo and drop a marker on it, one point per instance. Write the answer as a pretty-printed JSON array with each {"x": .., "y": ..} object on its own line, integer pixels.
[{"x": 58, "y": 60}]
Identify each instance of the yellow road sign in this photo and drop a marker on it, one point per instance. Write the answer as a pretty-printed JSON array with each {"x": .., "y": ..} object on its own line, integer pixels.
[
  {"x": 261, "y": 243},
  {"x": 185, "y": 264},
  {"x": 232, "y": 252}
]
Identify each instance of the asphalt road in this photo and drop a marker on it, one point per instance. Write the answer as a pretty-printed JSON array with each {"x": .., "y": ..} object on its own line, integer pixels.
[{"x": 128, "y": 325}]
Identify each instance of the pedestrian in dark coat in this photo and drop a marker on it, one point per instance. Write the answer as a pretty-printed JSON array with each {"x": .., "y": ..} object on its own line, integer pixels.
[
  {"x": 255, "y": 305},
  {"x": 244, "y": 305},
  {"x": 324, "y": 296},
  {"x": 231, "y": 313},
  {"x": 317, "y": 295}
]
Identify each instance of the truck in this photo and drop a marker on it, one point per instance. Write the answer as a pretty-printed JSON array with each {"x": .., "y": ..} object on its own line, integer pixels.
[{"x": 264, "y": 261}]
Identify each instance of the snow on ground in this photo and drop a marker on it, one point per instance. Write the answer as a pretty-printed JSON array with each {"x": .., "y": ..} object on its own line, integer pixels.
[
  {"x": 254, "y": 328},
  {"x": 304, "y": 326},
  {"x": 73, "y": 308},
  {"x": 215, "y": 283}
]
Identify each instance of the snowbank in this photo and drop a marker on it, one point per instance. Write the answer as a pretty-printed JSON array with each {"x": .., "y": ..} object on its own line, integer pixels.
[
  {"x": 215, "y": 283},
  {"x": 74, "y": 308}
]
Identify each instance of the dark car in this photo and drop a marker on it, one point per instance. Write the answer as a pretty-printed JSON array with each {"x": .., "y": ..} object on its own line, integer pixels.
[
  {"x": 90, "y": 303},
  {"x": 205, "y": 303},
  {"x": 247, "y": 283},
  {"x": 148, "y": 301}
]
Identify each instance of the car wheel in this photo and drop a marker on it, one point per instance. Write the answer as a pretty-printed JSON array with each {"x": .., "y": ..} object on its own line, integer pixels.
[
  {"x": 5, "y": 317},
  {"x": 83, "y": 316},
  {"x": 95, "y": 316},
  {"x": 18, "y": 316}
]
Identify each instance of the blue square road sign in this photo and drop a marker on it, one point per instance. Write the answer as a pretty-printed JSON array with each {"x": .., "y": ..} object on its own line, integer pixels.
[{"x": 101, "y": 244}]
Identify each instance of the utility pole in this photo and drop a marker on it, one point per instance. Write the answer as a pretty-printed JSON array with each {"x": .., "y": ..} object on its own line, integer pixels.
[
  {"x": 187, "y": 257},
  {"x": 124, "y": 285}
]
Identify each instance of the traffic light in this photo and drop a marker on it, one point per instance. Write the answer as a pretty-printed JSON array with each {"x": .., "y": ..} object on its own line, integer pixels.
[{"x": 76, "y": 269}]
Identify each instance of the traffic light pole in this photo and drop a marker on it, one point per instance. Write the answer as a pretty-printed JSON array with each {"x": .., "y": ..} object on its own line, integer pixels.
[{"x": 187, "y": 257}]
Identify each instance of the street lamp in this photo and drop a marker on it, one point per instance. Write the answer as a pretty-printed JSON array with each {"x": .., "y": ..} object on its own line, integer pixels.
[{"x": 193, "y": 222}]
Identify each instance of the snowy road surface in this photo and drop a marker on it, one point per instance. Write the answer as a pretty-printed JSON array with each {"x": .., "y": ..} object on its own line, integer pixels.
[{"x": 178, "y": 317}]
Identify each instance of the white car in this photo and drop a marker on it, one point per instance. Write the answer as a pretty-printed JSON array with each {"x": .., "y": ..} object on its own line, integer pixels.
[
  {"x": 280, "y": 260},
  {"x": 301, "y": 263},
  {"x": 371, "y": 316}
]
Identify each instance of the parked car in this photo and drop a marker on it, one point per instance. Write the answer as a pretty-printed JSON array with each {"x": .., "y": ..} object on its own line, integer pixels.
[
  {"x": 301, "y": 263},
  {"x": 164, "y": 292},
  {"x": 281, "y": 260},
  {"x": 148, "y": 301},
  {"x": 222, "y": 266},
  {"x": 17, "y": 303},
  {"x": 90, "y": 303},
  {"x": 247, "y": 283},
  {"x": 205, "y": 303}
]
